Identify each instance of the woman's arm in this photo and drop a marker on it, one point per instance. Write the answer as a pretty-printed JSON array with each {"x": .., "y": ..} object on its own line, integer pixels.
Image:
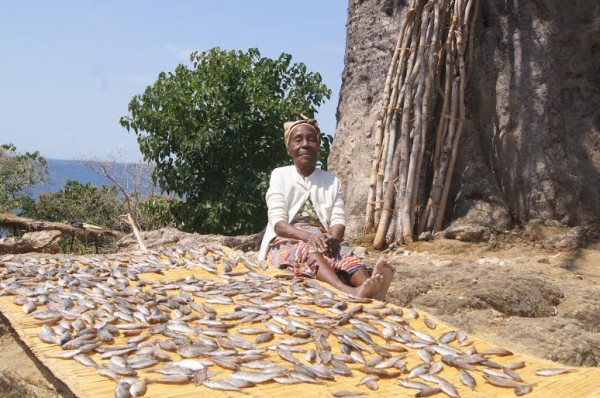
[
  {"x": 335, "y": 236},
  {"x": 286, "y": 230},
  {"x": 337, "y": 231}
]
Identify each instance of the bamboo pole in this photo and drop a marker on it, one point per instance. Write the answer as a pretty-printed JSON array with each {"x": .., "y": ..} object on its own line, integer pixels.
[
  {"x": 390, "y": 125},
  {"x": 388, "y": 203},
  {"x": 420, "y": 64},
  {"x": 392, "y": 114},
  {"x": 431, "y": 209},
  {"x": 379, "y": 127},
  {"x": 428, "y": 105},
  {"x": 460, "y": 44},
  {"x": 405, "y": 74},
  {"x": 407, "y": 208}
]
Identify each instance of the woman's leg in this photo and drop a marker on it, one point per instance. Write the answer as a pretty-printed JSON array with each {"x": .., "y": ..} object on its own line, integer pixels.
[
  {"x": 363, "y": 285},
  {"x": 359, "y": 277},
  {"x": 325, "y": 273}
]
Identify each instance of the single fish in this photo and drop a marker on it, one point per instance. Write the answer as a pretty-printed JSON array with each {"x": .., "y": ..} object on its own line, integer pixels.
[
  {"x": 498, "y": 351},
  {"x": 346, "y": 393},
  {"x": 443, "y": 384},
  {"x": 428, "y": 391},
  {"x": 122, "y": 390},
  {"x": 307, "y": 378},
  {"x": 171, "y": 379},
  {"x": 288, "y": 380},
  {"x": 220, "y": 385},
  {"x": 523, "y": 389},
  {"x": 515, "y": 365},
  {"x": 467, "y": 379},
  {"x": 340, "y": 368},
  {"x": 85, "y": 360},
  {"x": 367, "y": 379},
  {"x": 500, "y": 381},
  {"x": 286, "y": 355},
  {"x": 372, "y": 385},
  {"x": 386, "y": 374},
  {"x": 256, "y": 377},
  {"x": 552, "y": 371},
  {"x": 138, "y": 388},
  {"x": 430, "y": 323},
  {"x": 417, "y": 385}
]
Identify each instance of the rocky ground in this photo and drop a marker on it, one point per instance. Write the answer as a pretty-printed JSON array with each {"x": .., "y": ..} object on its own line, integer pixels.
[
  {"x": 537, "y": 301},
  {"x": 535, "y": 290}
]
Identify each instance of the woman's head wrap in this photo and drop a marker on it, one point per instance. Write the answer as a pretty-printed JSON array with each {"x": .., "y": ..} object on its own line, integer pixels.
[{"x": 289, "y": 126}]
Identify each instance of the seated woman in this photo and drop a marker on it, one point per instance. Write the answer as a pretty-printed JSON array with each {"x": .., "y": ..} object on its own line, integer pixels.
[{"x": 307, "y": 223}]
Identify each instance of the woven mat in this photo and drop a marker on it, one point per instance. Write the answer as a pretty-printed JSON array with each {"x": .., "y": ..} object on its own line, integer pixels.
[{"x": 86, "y": 382}]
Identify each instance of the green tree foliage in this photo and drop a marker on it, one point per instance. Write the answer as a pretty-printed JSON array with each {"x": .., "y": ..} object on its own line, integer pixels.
[
  {"x": 214, "y": 131},
  {"x": 18, "y": 172},
  {"x": 155, "y": 212},
  {"x": 86, "y": 203}
]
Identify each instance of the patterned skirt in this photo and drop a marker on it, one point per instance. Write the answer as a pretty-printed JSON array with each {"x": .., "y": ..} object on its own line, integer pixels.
[{"x": 293, "y": 254}]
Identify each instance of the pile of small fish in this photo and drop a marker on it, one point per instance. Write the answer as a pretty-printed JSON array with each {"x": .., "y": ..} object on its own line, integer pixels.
[{"x": 235, "y": 328}]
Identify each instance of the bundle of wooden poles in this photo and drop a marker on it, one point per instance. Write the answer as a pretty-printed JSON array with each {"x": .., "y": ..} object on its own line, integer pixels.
[{"x": 421, "y": 120}]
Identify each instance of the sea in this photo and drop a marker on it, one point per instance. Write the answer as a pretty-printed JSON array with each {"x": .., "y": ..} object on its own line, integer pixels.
[{"x": 132, "y": 176}]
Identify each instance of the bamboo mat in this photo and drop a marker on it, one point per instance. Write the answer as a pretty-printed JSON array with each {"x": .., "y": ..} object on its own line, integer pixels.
[{"x": 86, "y": 382}]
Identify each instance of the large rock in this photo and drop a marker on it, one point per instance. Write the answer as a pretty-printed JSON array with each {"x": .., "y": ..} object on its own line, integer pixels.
[
  {"x": 467, "y": 233},
  {"x": 569, "y": 239},
  {"x": 516, "y": 302},
  {"x": 558, "y": 339},
  {"x": 38, "y": 242},
  {"x": 531, "y": 145},
  {"x": 171, "y": 236}
]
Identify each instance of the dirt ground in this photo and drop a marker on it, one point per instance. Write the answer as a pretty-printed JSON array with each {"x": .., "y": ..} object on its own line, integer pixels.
[
  {"x": 539, "y": 301},
  {"x": 533, "y": 300}
]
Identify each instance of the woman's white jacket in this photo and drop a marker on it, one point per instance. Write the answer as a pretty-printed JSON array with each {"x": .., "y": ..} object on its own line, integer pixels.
[{"x": 288, "y": 190}]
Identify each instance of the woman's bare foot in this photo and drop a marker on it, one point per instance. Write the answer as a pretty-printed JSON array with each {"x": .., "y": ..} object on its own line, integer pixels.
[
  {"x": 370, "y": 287},
  {"x": 386, "y": 271}
]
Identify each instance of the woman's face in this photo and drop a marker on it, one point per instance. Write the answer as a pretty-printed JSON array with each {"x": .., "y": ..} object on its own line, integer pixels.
[{"x": 304, "y": 146}]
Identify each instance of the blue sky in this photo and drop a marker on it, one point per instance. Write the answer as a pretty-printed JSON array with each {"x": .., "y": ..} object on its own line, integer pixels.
[{"x": 68, "y": 69}]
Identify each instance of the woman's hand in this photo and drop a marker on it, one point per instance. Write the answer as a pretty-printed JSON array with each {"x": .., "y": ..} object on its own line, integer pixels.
[
  {"x": 332, "y": 242},
  {"x": 328, "y": 242},
  {"x": 325, "y": 243},
  {"x": 318, "y": 241}
]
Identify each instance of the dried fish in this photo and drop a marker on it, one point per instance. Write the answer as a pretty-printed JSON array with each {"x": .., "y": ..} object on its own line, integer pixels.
[
  {"x": 220, "y": 385},
  {"x": 216, "y": 322},
  {"x": 171, "y": 379},
  {"x": 430, "y": 323},
  {"x": 552, "y": 372},
  {"x": 257, "y": 377},
  {"x": 523, "y": 389},
  {"x": 138, "y": 388},
  {"x": 122, "y": 390},
  {"x": 467, "y": 379},
  {"x": 346, "y": 393}
]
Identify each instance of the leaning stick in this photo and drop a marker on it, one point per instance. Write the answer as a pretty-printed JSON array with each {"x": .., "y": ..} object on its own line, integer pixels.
[
  {"x": 129, "y": 220},
  {"x": 407, "y": 210},
  {"x": 379, "y": 128},
  {"x": 429, "y": 99},
  {"x": 389, "y": 136},
  {"x": 431, "y": 209},
  {"x": 396, "y": 97},
  {"x": 459, "y": 128},
  {"x": 388, "y": 203}
]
